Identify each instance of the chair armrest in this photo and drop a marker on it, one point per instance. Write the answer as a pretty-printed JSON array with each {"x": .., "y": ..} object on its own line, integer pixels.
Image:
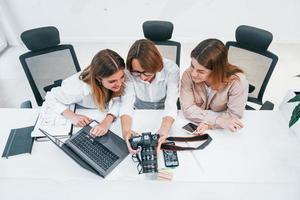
[
  {"x": 249, "y": 107},
  {"x": 255, "y": 104},
  {"x": 251, "y": 88},
  {"x": 178, "y": 104},
  {"x": 26, "y": 104},
  {"x": 57, "y": 83},
  {"x": 267, "y": 106}
]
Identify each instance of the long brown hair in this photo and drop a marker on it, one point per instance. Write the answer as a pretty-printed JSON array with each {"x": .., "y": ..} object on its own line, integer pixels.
[
  {"x": 104, "y": 64},
  {"x": 213, "y": 55},
  {"x": 147, "y": 54}
]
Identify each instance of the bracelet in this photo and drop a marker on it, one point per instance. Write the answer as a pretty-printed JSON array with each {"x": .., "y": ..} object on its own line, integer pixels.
[{"x": 113, "y": 116}]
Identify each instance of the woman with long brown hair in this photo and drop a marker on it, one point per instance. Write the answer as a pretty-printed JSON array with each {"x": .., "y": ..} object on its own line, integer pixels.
[
  {"x": 153, "y": 83},
  {"x": 100, "y": 85},
  {"x": 213, "y": 92}
]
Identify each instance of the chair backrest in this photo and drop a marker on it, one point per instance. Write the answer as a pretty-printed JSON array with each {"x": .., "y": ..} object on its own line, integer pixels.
[
  {"x": 250, "y": 53},
  {"x": 160, "y": 32},
  {"x": 47, "y": 63}
]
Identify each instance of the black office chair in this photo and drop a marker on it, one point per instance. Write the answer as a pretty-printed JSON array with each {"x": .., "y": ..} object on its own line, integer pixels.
[
  {"x": 47, "y": 63},
  {"x": 250, "y": 53},
  {"x": 160, "y": 32}
]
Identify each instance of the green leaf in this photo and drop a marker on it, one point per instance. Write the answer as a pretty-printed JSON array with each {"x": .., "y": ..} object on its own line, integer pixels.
[
  {"x": 295, "y": 99},
  {"x": 295, "y": 115}
]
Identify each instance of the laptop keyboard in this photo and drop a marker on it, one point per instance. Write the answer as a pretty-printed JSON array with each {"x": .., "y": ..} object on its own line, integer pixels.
[{"x": 96, "y": 151}]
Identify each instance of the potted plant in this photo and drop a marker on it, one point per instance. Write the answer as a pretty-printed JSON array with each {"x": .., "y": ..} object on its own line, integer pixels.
[
  {"x": 296, "y": 112},
  {"x": 290, "y": 110}
]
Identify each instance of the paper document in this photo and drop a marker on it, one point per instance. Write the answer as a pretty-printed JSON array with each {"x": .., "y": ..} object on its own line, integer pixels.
[{"x": 53, "y": 123}]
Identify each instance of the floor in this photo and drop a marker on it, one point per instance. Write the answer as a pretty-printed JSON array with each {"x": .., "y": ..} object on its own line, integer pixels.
[{"x": 14, "y": 87}]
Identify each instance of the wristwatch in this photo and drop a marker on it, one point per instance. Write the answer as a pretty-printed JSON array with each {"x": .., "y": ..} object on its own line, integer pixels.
[{"x": 113, "y": 116}]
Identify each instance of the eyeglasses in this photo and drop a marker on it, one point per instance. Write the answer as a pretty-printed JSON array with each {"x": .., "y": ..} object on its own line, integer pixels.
[{"x": 137, "y": 73}]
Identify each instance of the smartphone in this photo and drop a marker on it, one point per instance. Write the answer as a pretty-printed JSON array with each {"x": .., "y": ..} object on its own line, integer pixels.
[
  {"x": 170, "y": 157},
  {"x": 190, "y": 127},
  {"x": 89, "y": 127},
  {"x": 93, "y": 123}
]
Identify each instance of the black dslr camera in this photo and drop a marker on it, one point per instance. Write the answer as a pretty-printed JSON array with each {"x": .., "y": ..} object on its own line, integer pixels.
[{"x": 148, "y": 143}]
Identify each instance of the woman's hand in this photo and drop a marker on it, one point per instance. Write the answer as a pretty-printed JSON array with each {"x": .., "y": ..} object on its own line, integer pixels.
[
  {"x": 80, "y": 120},
  {"x": 164, "y": 130},
  {"x": 230, "y": 123},
  {"x": 102, "y": 128},
  {"x": 99, "y": 130},
  {"x": 127, "y": 136},
  {"x": 163, "y": 135},
  {"x": 201, "y": 129}
]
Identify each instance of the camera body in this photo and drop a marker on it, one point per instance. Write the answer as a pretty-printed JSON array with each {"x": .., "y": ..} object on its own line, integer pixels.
[{"x": 148, "y": 154}]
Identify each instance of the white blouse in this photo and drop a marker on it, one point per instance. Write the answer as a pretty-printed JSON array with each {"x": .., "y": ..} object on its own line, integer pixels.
[
  {"x": 165, "y": 84},
  {"x": 76, "y": 91}
]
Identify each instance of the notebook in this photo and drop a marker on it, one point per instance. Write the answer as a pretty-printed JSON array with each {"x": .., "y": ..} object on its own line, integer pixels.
[
  {"x": 99, "y": 155},
  {"x": 52, "y": 122},
  {"x": 18, "y": 142}
]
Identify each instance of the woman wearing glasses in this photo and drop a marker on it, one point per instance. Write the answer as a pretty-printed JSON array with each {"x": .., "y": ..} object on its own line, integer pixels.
[
  {"x": 213, "y": 92},
  {"x": 153, "y": 83},
  {"x": 100, "y": 85}
]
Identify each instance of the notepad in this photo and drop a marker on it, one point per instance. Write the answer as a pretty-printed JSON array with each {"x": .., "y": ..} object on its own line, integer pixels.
[
  {"x": 52, "y": 122},
  {"x": 18, "y": 142},
  {"x": 164, "y": 174}
]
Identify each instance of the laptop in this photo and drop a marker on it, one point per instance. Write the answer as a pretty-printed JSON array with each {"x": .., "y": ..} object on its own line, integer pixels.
[{"x": 99, "y": 155}]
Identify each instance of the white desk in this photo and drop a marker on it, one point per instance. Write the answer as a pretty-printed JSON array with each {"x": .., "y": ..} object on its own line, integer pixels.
[
  {"x": 263, "y": 151},
  {"x": 259, "y": 162}
]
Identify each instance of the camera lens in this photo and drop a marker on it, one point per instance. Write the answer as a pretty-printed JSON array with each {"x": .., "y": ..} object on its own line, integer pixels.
[
  {"x": 148, "y": 154},
  {"x": 149, "y": 159}
]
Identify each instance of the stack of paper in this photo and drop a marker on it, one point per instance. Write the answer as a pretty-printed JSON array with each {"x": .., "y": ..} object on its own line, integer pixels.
[{"x": 51, "y": 122}]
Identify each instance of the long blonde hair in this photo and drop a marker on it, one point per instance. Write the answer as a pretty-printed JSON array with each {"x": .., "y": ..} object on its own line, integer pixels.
[{"x": 104, "y": 64}]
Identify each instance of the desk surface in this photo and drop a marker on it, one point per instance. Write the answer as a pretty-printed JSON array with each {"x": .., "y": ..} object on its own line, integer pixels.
[{"x": 262, "y": 157}]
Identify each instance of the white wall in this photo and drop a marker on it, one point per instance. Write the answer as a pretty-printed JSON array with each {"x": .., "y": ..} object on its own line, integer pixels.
[
  {"x": 3, "y": 42},
  {"x": 9, "y": 24},
  {"x": 121, "y": 20}
]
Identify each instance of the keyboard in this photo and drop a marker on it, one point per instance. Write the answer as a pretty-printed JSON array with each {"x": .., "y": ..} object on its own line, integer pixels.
[{"x": 94, "y": 150}]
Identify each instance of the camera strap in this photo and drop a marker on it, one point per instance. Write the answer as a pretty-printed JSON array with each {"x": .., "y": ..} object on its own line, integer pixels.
[{"x": 171, "y": 147}]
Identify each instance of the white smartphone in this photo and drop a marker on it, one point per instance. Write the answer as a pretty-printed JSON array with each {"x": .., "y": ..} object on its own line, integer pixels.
[
  {"x": 93, "y": 123},
  {"x": 190, "y": 127}
]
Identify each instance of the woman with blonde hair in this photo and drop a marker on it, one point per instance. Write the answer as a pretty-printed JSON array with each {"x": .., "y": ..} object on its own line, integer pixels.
[
  {"x": 213, "y": 92},
  {"x": 100, "y": 85}
]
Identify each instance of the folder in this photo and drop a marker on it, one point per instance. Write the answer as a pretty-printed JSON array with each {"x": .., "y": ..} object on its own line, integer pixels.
[{"x": 18, "y": 142}]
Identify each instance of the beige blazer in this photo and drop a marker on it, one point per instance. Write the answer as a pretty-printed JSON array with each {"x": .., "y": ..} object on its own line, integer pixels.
[{"x": 198, "y": 106}]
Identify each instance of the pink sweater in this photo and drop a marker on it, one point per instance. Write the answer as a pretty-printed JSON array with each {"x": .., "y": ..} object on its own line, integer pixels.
[{"x": 198, "y": 106}]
